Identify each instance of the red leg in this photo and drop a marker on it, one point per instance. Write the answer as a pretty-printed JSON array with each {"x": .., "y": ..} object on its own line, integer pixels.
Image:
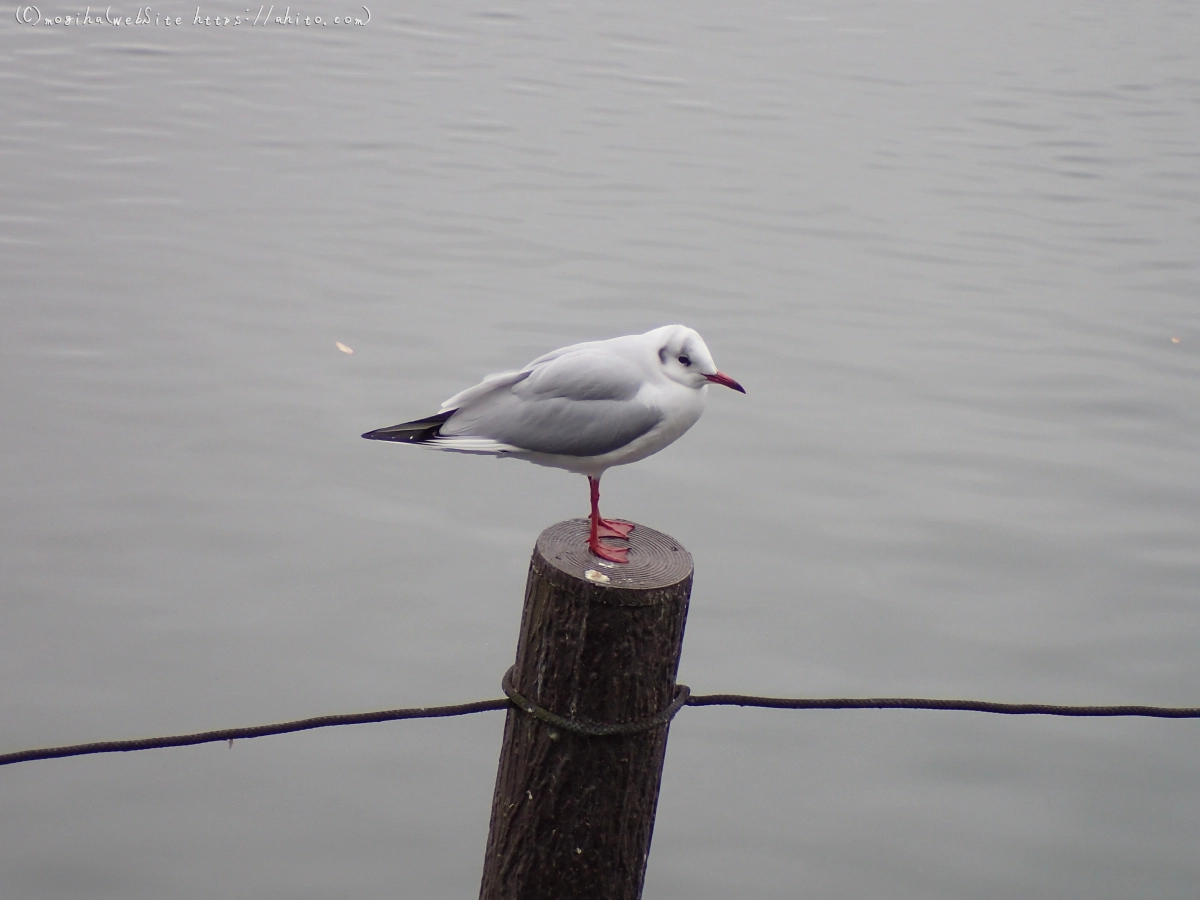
[{"x": 612, "y": 554}]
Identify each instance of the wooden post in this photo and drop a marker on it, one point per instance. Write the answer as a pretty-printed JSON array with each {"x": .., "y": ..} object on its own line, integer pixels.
[{"x": 573, "y": 814}]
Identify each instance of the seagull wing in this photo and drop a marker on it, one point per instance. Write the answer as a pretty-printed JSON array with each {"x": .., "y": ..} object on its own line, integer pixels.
[
  {"x": 490, "y": 384},
  {"x": 575, "y": 402}
]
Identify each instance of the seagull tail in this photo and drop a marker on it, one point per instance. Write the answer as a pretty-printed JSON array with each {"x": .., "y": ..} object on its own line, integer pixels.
[{"x": 419, "y": 431}]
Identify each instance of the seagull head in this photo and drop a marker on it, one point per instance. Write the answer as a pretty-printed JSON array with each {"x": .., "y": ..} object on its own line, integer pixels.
[{"x": 684, "y": 357}]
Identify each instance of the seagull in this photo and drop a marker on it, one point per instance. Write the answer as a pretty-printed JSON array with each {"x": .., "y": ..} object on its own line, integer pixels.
[{"x": 583, "y": 408}]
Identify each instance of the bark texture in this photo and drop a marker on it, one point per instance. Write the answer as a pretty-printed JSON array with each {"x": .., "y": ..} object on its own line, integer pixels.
[{"x": 573, "y": 815}]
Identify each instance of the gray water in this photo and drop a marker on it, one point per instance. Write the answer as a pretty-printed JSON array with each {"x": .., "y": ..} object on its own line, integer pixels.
[{"x": 951, "y": 249}]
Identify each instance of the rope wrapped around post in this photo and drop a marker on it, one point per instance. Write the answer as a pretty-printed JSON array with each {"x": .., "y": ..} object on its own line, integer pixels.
[{"x": 596, "y": 729}]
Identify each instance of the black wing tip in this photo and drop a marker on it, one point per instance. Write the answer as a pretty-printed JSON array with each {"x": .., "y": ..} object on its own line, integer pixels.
[
  {"x": 418, "y": 431},
  {"x": 378, "y": 435}
]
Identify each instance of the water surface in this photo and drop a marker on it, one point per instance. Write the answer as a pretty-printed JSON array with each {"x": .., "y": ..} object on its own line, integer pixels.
[{"x": 948, "y": 248}]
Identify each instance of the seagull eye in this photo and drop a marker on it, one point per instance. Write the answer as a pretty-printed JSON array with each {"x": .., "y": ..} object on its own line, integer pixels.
[{"x": 685, "y": 360}]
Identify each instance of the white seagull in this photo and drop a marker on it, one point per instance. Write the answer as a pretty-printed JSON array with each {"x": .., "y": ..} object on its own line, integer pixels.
[{"x": 583, "y": 408}]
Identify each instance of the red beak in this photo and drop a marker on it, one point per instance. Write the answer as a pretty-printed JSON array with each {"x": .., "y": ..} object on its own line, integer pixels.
[{"x": 722, "y": 378}]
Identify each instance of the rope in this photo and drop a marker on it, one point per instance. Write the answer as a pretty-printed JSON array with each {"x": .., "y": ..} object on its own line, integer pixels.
[
  {"x": 682, "y": 698},
  {"x": 596, "y": 729},
  {"x": 232, "y": 734},
  {"x": 1009, "y": 709}
]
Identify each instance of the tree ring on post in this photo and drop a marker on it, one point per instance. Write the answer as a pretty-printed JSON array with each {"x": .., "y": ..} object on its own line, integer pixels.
[{"x": 656, "y": 562}]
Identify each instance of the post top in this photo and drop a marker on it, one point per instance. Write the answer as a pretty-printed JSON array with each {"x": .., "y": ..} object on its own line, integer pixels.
[{"x": 656, "y": 560}]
